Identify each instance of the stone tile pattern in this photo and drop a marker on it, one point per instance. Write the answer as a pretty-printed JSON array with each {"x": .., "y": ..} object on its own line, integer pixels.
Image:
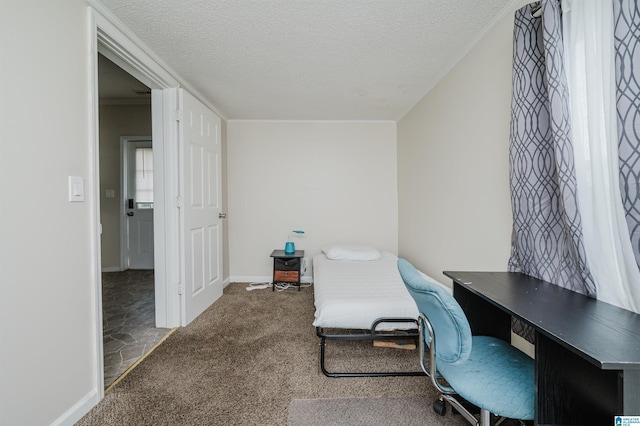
[{"x": 128, "y": 312}]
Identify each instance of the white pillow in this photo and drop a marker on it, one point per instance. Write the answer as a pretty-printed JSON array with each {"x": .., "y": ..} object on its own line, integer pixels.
[{"x": 343, "y": 252}]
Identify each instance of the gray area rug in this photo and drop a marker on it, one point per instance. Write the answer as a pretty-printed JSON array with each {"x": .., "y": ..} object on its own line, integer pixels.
[{"x": 367, "y": 411}]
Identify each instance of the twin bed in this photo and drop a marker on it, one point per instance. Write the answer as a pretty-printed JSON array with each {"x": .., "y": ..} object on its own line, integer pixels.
[{"x": 359, "y": 295}]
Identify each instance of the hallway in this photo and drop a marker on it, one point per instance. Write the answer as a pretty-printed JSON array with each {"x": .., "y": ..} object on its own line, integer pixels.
[{"x": 129, "y": 331}]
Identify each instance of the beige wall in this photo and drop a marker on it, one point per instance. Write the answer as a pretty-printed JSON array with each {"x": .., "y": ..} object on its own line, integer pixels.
[
  {"x": 47, "y": 248},
  {"x": 334, "y": 180},
  {"x": 453, "y": 166},
  {"x": 116, "y": 121}
]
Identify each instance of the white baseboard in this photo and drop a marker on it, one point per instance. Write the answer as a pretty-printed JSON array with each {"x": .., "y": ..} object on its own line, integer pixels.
[
  {"x": 112, "y": 269},
  {"x": 249, "y": 279},
  {"x": 523, "y": 345},
  {"x": 78, "y": 410}
]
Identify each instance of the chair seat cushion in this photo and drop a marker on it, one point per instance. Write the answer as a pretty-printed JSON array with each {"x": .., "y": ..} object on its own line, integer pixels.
[{"x": 496, "y": 377}]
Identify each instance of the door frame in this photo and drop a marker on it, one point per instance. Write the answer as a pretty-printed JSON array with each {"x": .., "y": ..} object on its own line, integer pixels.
[
  {"x": 124, "y": 190},
  {"x": 111, "y": 38}
]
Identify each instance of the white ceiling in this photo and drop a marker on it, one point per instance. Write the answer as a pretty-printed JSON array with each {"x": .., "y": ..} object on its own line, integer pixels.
[{"x": 311, "y": 59}]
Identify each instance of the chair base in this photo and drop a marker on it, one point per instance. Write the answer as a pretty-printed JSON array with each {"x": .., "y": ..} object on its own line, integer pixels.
[{"x": 473, "y": 414}]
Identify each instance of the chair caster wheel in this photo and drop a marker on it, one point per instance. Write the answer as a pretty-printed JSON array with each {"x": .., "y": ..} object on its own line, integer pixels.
[{"x": 440, "y": 407}]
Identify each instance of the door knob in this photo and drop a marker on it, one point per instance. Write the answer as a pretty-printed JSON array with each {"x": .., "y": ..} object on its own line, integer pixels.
[
  {"x": 222, "y": 215},
  {"x": 129, "y": 213}
]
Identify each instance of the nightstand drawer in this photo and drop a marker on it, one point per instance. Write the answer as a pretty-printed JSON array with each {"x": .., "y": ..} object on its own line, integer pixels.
[
  {"x": 286, "y": 276},
  {"x": 287, "y": 264}
]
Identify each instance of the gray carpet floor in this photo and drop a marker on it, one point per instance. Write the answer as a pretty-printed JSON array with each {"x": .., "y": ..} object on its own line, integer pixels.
[
  {"x": 364, "y": 412},
  {"x": 244, "y": 360}
]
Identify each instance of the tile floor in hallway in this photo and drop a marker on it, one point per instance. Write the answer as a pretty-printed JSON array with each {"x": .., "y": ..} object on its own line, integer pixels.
[{"x": 128, "y": 311}]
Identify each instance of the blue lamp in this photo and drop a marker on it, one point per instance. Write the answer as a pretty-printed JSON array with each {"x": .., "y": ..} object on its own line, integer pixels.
[{"x": 290, "y": 247}]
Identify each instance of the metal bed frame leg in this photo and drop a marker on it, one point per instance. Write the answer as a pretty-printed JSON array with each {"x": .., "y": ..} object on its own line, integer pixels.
[{"x": 371, "y": 336}]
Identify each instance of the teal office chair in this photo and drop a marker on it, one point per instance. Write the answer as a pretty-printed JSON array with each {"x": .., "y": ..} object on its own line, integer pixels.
[{"x": 485, "y": 371}]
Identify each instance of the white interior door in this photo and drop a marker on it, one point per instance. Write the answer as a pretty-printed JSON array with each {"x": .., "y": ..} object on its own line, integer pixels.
[
  {"x": 200, "y": 152},
  {"x": 138, "y": 209}
]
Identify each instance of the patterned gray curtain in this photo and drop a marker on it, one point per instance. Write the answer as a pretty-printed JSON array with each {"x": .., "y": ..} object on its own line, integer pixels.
[
  {"x": 547, "y": 236},
  {"x": 627, "y": 46}
]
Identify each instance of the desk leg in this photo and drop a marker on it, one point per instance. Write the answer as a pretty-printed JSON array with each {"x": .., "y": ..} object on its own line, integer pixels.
[
  {"x": 570, "y": 390},
  {"x": 631, "y": 389}
]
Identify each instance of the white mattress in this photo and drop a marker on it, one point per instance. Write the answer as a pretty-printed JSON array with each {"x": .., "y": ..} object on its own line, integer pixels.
[{"x": 353, "y": 294}]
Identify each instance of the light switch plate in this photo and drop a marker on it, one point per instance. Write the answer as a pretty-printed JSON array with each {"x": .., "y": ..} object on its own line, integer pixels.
[{"x": 76, "y": 189}]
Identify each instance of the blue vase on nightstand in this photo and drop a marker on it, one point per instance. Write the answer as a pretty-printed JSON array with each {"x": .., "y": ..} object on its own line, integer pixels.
[{"x": 289, "y": 247}]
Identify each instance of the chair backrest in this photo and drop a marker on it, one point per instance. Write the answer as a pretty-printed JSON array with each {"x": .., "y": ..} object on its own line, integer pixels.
[{"x": 450, "y": 325}]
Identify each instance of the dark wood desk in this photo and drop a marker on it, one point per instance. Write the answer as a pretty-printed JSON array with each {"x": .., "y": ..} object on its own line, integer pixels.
[{"x": 587, "y": 351}]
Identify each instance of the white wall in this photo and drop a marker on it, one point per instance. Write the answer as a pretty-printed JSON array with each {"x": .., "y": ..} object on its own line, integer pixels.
[
  {"x": 453, "y": 164},
  {"x": 337, "y": 181},
  {"x": 47, "y": 252}
]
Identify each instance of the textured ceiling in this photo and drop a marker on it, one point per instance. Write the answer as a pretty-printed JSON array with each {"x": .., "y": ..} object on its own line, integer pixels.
[{"x": 312, "y": 59}]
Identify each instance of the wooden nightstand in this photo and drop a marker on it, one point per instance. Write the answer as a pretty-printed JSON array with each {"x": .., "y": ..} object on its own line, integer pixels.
[{"x": 286, "y": 268}]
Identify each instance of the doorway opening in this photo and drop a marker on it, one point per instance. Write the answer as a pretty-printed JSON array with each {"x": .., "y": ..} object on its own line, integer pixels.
[{"x": 126, "y": 215}]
